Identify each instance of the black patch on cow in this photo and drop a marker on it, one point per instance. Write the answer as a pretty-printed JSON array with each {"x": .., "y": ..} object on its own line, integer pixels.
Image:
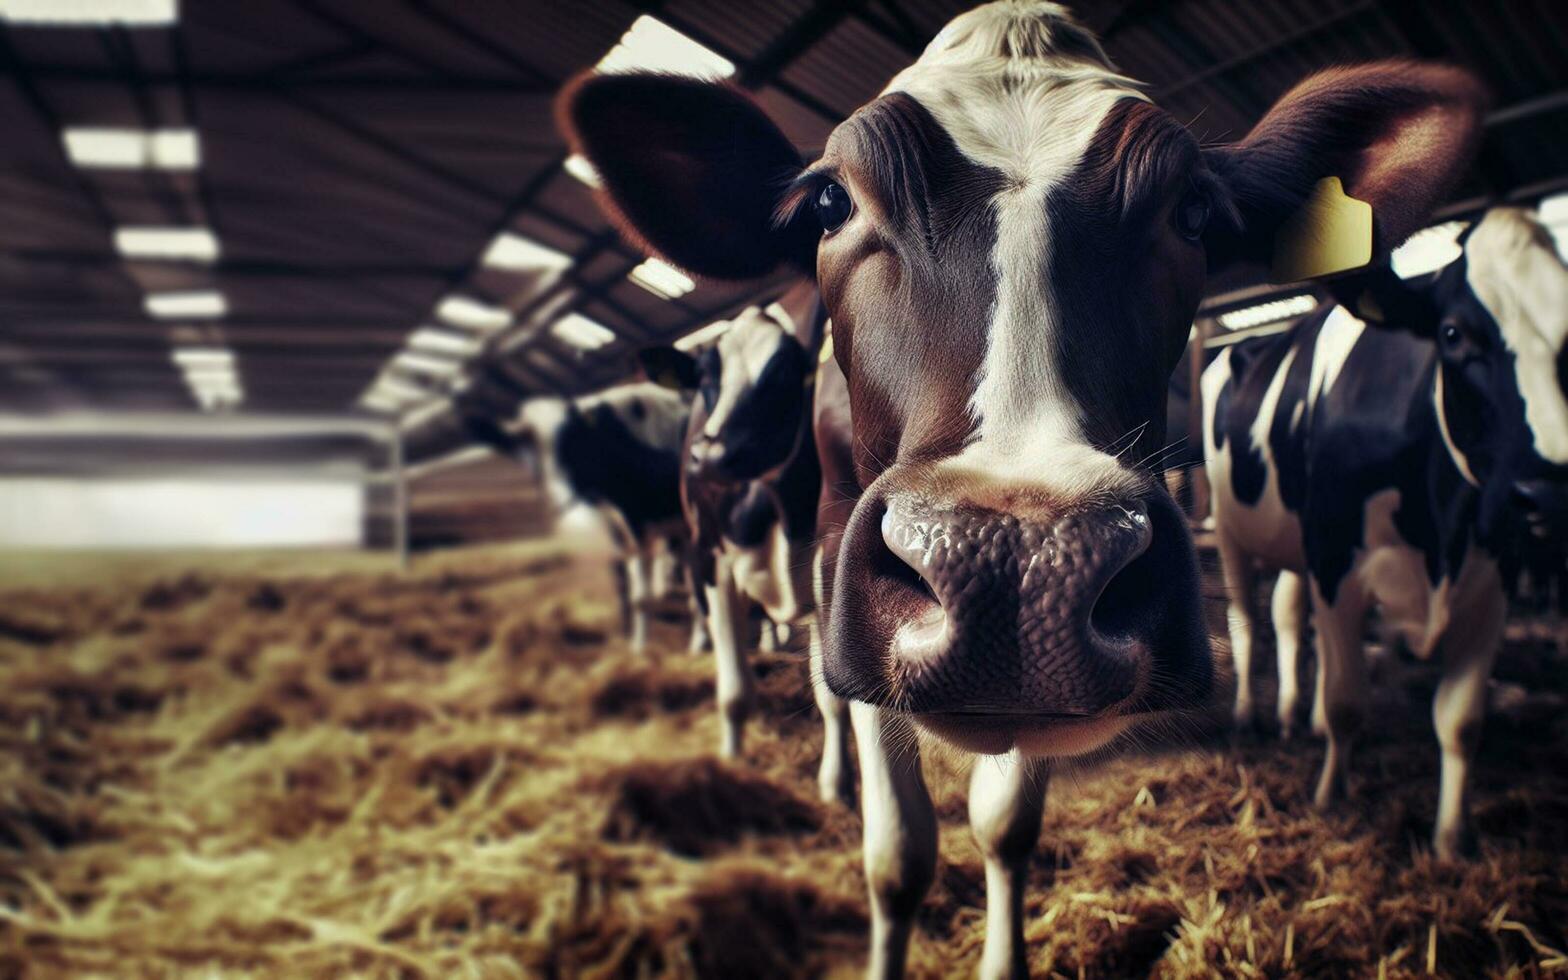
[
  {"x": 1374, "y": 430},
  {"x": 604, "y": 462},
  {"x": 752, "y": 517},
  {"x": 764, "y": 427}
]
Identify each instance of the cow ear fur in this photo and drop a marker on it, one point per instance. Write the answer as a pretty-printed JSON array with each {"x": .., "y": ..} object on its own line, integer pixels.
[
  {"x": 1398, "y": 134},
  {"x": 670, "y": 368},
  {"x": 1382, "y": 299},
  {"x": 691, "y": 170}
]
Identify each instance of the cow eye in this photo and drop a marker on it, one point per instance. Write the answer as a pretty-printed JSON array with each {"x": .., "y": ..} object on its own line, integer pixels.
[
  {"x": 833, "y": 207},
  {"x": 1192, "y": 214},
  {"x": 1452, "y": 335}
]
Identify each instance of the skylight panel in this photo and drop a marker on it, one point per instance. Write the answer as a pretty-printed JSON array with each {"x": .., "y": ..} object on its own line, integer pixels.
[
  {"x": 652, "y": 45},
  {"x": 211, "y": 376},
  {"x": 89, "y": 13},
  {"x": 438, "y": 341},
  {"x": 1278, "y": 309},
  {"x": 132, "y": 149},
  {"x": 152, "y": 242},
  {"x": 516, "y": 253},
  {"x": 398, "y": 388},
  {"x": 463, "y": 311},
  {"x": 581, "y": 332},
  {"x": 203, "y": 357},
  {"x": 662, "y": 279},
  {"x": 425, "y": 364},
  {"x": 194, "y": 303},
  {"x": 378, "y": 401},
  {"x": 703, "y": 335}
]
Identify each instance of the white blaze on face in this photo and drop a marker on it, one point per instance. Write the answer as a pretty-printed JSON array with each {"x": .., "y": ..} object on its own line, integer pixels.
[
  {"x": 744, "y": 351},
  {"x": 1516, "y": 273},
  {"x": 1022, "y": 90}
]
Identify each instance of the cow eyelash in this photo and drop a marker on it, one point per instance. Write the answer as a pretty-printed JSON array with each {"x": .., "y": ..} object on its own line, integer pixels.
[{"x": 800, "y": 197}]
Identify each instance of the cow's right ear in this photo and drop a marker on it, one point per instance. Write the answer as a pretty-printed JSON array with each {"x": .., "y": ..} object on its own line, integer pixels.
[
  {"x": 1382, "y": 299},
  {"x": 670, "y": 368},
  {"x": 691, "y": 170}
]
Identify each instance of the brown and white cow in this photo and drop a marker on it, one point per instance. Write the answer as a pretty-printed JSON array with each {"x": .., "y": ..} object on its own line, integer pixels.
[{"x": 1011, "y": 241}]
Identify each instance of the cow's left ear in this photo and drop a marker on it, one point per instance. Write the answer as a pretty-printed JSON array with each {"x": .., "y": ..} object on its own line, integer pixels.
[
  {"x": 691, "y": 170},
  {"x": 671, "y": 368},
  {"x": 1397, "y": 135}
]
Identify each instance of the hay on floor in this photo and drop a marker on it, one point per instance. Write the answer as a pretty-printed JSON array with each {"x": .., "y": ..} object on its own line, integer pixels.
[{"x": 305, "y": 768}]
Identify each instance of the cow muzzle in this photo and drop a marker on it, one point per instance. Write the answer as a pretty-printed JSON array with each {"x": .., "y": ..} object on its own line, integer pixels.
[
  {"x": 1543, "y": 507},
  {"x": 1040, "y": 628}
]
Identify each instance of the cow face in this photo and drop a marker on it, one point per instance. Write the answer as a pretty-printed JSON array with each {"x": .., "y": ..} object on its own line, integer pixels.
[
  {"x": 1499, "y": 316},
  {"x": 752, "y": 396},
  {"x": 1011, "y": 242}
]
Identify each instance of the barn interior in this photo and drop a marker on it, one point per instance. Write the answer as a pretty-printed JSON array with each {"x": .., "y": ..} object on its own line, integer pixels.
[{"x": 299, "y": 680}]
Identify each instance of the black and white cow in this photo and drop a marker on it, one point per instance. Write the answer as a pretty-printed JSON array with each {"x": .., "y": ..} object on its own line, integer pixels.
[
  {"x": 1011, "y": 242},
  {"x": 749, "y": 484},
  {"x": 1391, "y": 459},
  {"x": 617, "y": 453}
]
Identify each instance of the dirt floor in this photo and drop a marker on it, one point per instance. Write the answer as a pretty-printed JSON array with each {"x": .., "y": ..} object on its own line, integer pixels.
[{"x": 309, "y": 765}]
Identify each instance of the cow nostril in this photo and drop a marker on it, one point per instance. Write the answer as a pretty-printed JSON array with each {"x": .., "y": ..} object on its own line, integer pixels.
[
  {"x": 1122, "y": 610},
  {"x": 1528, "y": 497},
  {"x": 922, "y": 633}
]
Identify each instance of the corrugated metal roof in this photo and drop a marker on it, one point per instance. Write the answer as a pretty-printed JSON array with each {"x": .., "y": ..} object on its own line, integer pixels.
[{"x": 359, "y": 157}]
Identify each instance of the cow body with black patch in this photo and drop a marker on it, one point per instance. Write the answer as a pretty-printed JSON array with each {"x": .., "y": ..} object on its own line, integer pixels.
[
  {"x": 616, "y": 453},
  {"x": 1011, "y": 242},
  {"x": 1393, "y": 460}
]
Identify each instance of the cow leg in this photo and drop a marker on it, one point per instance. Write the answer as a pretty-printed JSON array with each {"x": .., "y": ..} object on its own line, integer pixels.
[
  {"x": 1343, "y": 676},
  {"x": 699, "y": 626},
  {"x": 637, "y": 598},
  {"x": 623, "y": 596},
  {"x": 696, "y": 603},
  {"x": 899, "y": 828},
  {"x": 767, "y": 640},
  {"x": 666, "y": 554},
  {"x": 735, "y": 686},
  {"x": 835, "y": 778},
  {"x": 1290, "y": 626},
  {"x": 1319, "y": 719},
  {"x": 1239, "y": 579},
  {"x": 1468, "y": 653},
  {"x": 1006, "y": 799}
]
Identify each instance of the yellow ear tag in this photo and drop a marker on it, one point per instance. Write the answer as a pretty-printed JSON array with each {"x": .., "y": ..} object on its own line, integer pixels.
[
  {"x": 1331, "y": 233},
  {"x": 826, "y": 354}
]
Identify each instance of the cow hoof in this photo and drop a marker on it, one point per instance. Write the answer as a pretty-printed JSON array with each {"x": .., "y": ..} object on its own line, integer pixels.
[
  {"x": 1453, "y": 845},
  {"x": 1331, "y": 789}
]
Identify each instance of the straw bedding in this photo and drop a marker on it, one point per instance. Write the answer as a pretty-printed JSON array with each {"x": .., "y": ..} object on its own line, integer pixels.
[{"x": 309, "y": 767}]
